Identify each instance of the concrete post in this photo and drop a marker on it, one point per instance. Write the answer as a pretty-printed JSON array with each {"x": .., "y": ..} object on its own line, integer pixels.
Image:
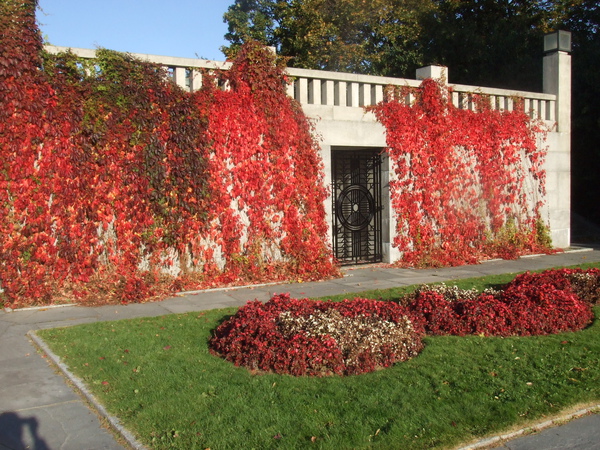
[
  {"x": 438, "y": 73},
  {"x": 179, "y": 78},
  {"x": 435, "y": 72},
  {"x": 557, "y": 81}
]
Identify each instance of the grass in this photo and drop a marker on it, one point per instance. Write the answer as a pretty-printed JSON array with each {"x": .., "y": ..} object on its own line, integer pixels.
[
  {"x": 157, "y": 376},
  {"x": 396, "y": 293},
  {"x": 479, "y": 283}
]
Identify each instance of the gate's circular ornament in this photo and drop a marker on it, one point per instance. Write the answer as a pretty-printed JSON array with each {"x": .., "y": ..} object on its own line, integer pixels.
[{"x": 355, "y": 207}]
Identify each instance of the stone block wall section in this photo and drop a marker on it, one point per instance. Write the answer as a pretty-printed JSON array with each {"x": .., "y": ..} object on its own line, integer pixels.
[{"x": 336, "y": 102}]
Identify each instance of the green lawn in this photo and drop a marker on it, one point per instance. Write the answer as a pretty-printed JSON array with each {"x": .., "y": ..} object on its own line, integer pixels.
[
  {"x": 157, "y": 376},
  {"x": 479, "y": 283}
]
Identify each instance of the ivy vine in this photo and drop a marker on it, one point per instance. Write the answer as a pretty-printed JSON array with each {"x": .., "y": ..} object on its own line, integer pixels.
[
  {"x": 468, "y": 184},
  {"x": 117, "y": 185}
]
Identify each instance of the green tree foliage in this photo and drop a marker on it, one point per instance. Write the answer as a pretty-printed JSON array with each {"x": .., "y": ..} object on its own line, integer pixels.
[
  {"x": 487, "y": 42},
  {"x": 375, "y": 37},
  {"x": 498, "y": 42},
  {"x": 249, "y": 19}
]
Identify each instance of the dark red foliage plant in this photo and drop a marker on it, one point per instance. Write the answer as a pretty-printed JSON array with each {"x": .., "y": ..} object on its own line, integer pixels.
[
  {"x": 317, "y": 338},
  {"x": 531, "y": 304},
  {"x": 304, "y": 337}
]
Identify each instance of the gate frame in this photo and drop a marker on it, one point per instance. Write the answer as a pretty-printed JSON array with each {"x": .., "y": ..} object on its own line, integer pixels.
[{"x": 388, "y": 222}]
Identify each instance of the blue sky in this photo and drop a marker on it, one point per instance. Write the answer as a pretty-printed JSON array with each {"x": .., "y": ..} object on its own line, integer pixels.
[{"x": 185, "y": 28}]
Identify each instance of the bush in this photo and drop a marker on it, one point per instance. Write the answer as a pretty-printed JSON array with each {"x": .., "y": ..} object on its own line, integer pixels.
[
  {"x": 532, "y": 304},
  {"x": 583, "y": 283},
  {"x": 303, "y": 337}
]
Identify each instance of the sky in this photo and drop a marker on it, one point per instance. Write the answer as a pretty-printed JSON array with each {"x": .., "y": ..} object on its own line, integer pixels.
[{"x": 182, "y": 28}]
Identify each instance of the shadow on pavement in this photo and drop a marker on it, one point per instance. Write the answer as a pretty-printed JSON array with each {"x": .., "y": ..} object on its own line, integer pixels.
[{"x": 18, "y": 433}]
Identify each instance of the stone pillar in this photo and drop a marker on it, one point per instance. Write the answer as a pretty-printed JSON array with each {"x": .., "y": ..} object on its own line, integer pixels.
[
  {"x": 435, "y": 72},
  {"x": 438, "y": 73},
  {"x": 179, "y": 77},
  {"x": 557, "y": 81}
]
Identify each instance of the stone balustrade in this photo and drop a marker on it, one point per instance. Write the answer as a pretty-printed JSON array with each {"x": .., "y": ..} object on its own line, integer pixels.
[{"x": 318, "y": 87}]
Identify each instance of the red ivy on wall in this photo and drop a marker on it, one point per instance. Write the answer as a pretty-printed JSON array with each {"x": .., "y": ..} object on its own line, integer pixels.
[
  {"x": 116, "y": 185},
  {"x": 271, "y": 216},
  {"x": 467, "y": 184},
  {"x": 25, "y": 102}
]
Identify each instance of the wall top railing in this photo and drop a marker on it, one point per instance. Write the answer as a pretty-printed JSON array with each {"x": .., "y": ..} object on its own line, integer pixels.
[
  {"x": 338, "y": 89},
  {"x": 316, "y": 87}
]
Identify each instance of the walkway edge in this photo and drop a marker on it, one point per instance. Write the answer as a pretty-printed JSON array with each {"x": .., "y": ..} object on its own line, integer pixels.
[
  {"x": 560, "y": 420},
  {"x": 80, "y": 386}
]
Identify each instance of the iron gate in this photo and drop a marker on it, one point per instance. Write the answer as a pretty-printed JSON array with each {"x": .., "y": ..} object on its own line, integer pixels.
[{"x": 356, "y": 206}]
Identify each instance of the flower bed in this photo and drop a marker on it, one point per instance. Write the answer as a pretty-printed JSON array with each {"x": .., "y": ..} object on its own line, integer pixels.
[
  {"x": 304, "y": 337},
  {"x": 550, "y": 302}
]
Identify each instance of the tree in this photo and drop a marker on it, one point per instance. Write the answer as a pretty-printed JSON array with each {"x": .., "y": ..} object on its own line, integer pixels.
[
  {"x": 374, "y": 37},
  {"x": 249, "y": 19},
  {"x": 488, "y": 42},
  {"x": 583, "y": 19}
]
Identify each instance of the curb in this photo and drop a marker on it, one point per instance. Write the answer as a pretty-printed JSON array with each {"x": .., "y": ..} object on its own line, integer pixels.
[
  {"x": 484, "y": 443},
  {"x": 114, "y": 423},
  {"x": 39, "y": 308}
]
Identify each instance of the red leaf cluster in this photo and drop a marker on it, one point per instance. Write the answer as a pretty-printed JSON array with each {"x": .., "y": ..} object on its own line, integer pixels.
[
  {"x": 289, "y": 336},
  {"x": 117, "y": 186},
  {"x": 270, "y": 217},
  {"x": 532, "y": 304},
  {"x": 256, "y": 337},
  {"x": 467, "y": 183}
]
